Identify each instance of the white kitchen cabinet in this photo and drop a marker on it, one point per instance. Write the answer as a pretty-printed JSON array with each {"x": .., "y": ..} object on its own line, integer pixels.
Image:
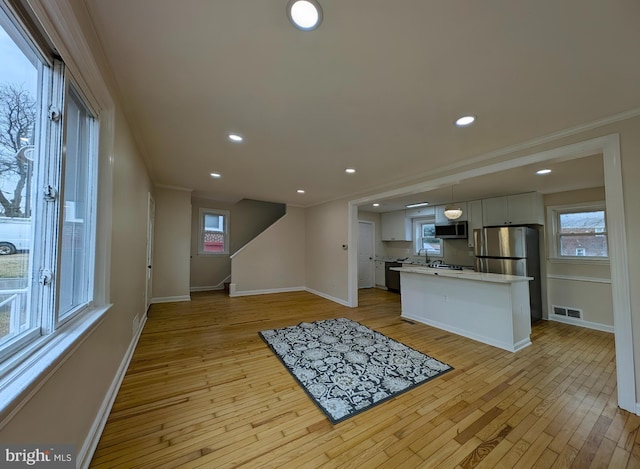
[
  {"x": 517, "y": 209},
  {"x": 442, "y": 219},
  {"x": 395, "y": 226},
  {"x": 474, "y": 218},
  {"x": 380, "y": 273}
]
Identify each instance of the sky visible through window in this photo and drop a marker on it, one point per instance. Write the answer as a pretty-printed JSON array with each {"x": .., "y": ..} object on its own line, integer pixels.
[{"x": 16, "y": 68}]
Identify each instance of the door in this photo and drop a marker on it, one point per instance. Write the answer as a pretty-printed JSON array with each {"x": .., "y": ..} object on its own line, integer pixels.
[
  {"x": 366, "y": 266},
  {"x": 151, "y": 213}
]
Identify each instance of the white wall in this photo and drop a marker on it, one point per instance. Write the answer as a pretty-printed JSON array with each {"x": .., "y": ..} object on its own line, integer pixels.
[
  {"x": 274, "y": 260},
  {"x": 171, "y": 245},
  {"x": 327, "y": 262}
]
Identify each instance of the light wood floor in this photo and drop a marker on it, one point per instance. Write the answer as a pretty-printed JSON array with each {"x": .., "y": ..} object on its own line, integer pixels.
[{"x": 203, "y": 390}]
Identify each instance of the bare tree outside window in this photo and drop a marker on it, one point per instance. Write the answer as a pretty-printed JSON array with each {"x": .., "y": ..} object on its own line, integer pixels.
[{"x": 17, "y": 126}]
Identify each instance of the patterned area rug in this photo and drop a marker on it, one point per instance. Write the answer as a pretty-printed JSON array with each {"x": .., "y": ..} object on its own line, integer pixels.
[{"x": 346, "y": 367}]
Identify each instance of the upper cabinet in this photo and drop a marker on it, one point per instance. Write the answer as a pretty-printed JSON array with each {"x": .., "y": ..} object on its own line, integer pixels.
[
  {"x": 474, "y": 218},
  {"x": 395, "y": 226},
  {"x": 518, "y": 209},
  {"x": 441, "y": 219}
]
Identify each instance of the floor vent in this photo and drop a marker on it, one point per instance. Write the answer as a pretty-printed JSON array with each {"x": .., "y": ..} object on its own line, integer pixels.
[{"x": 575, "y": 313}]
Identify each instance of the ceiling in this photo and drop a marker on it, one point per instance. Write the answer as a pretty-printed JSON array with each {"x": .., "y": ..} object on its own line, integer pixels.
[
  {"x": 582, "y": 173},
  {"x": 376, "y": 87}
]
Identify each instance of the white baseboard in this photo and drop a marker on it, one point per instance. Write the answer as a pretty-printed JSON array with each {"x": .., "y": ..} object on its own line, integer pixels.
[
  {"x": 329, "y": 297},
  {"x": 91, "y": 442},
  {"x": 233, "y": 292},
  {"x": 211, "y": 288},
  {"x": 581, "y": 322},
  {"x": 170, "y": 299}
]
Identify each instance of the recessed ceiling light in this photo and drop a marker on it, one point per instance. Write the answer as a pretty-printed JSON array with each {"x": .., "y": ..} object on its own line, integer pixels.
[
  {"x": 465, "y": 120},
  {"x": 376, "y": 205},
  {"x": 419, "y": 204},
  {"x": 543, "y": 171},
  {"x": 235, "y": 138},
  {"x": 300, "y": 191},
  {"x": 216, "y": 175},
  {"x": 350, "y": 170},
  {"x": 305, "y": 15}
]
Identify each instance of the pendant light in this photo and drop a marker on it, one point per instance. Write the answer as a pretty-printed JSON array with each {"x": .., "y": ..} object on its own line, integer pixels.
[{"x": 452, "y": 211}]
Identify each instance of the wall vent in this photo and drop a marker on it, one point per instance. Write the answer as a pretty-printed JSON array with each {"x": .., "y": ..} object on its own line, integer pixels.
[
  {"x": 559, "y": 310},
  {"x": 575, "y": 313}
]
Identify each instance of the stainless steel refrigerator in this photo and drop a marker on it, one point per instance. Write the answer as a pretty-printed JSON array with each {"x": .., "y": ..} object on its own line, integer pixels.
[{"x": 511, "y": 250}]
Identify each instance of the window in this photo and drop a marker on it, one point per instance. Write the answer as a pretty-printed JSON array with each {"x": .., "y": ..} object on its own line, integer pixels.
[
  {"x": 77, "y": 221},
  {"x": 579, "y": 231},
  {"x": 214, "y": 231},
  {"x": 48, "y": 198},
  {"x": 425, "y": 243}
]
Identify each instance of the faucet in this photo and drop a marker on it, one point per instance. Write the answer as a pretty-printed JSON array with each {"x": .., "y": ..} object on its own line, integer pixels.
[{"x": 426, "y": 255}]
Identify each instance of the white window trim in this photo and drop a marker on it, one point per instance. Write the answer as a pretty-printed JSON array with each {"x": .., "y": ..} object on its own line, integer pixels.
[
  {"x": 212, "y": 211},
  {"x": 552, "y": 234},
  {"x": 416, "y": 222}
]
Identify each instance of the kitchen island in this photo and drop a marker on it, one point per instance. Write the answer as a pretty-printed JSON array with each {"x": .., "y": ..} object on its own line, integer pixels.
[{"x": 490, "y": 308}]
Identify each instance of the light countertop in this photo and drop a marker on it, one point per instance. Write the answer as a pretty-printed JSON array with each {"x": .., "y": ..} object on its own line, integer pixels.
[{"x": 463, "y": 274}]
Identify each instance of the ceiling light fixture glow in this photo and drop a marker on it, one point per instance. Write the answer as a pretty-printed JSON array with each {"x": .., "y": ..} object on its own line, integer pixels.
[
  {"x": 216, "y": 175},
  {"x": 376, "y": 205},
  {"x": 543, "y": 171},
  {"x": 235, "y": 138},
  {"x": 305, "y": 15},
  {"x": 465, "y": 121},
  {"x": 350, "y": 170},
  {"x": 300, "y": 191},
  {"x": 419, "y": 204}
]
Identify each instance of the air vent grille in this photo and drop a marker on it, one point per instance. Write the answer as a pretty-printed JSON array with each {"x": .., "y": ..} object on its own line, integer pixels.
[
  {"x": 574, "y": 313},
  {"x": 559, "y": 310},
  {"x": 567, "y": 311}
]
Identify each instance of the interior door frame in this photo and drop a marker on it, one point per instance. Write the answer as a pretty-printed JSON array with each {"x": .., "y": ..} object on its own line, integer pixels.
[{"x": 151, "y": 212}]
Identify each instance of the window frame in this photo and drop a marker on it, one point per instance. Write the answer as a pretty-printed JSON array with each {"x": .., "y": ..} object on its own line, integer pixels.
[
  {"x": 92, "y": 135},
  {"x": 417, "y": 232},
  {"x": 202, "y": 212},
  {"x": 555, "y": 237}
]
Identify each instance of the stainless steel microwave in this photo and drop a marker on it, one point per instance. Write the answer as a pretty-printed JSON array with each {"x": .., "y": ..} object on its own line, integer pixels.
[{"x": 452, "y": 230}]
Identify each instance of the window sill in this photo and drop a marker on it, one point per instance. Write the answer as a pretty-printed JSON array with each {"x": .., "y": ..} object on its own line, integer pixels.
[
  {"x": 32, "y": 366},
  {"x": 577, "y": 260}
]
